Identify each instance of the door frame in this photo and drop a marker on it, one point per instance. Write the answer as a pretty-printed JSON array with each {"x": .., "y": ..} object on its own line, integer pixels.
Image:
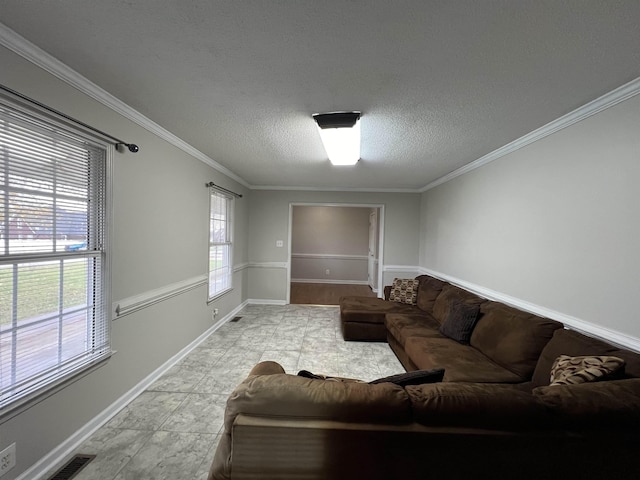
[{"x": 381, "y": 215}]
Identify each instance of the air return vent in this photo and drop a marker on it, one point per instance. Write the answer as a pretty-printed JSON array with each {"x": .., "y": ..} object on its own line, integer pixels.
[
  {"x": 72, "y": 467},
  {"x": 235, "y": 319}
]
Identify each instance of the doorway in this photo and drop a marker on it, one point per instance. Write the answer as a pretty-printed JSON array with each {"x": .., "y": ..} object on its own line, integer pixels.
[{"x": 334, "y": 250}]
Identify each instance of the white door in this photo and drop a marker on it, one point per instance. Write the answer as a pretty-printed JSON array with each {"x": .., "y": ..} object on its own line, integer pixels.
[{"x": 373, "y": 237}]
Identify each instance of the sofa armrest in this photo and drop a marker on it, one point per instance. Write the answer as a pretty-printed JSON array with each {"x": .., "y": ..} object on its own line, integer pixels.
[
  {"x": 267, "y": 368},
  {"x": 613, "y": 404},
  {"x": 294, "y": 396}
]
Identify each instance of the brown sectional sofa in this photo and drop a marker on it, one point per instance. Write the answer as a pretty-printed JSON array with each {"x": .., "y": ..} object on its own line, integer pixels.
[
  {"x": 493, "y": 416},
  {"x": 504, "y": 346}
]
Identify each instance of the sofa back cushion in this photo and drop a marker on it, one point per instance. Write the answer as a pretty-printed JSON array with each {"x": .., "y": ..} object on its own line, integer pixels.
[
  {"x": 475, "y": 405},
  {"x": 428, "y": 290},
  {"x": 611, "y": 404},
  {"x": 574, "y": 344},
  {"x": 448, "y": 296},
  {"x": 512, "y": 338}
]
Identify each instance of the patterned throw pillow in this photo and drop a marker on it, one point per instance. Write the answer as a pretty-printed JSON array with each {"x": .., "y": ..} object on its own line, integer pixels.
[
  {"x": 568, "y": 370},
  {"x": 404, "y": 290}
]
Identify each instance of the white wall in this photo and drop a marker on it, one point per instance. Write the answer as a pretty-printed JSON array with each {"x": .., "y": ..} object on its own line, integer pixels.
[
  {"x": 334, "y": 239},
  {"x": 269, "y": 222},
  {"x": 160, "y": 228},
  {"x": 555, "y": 223}
]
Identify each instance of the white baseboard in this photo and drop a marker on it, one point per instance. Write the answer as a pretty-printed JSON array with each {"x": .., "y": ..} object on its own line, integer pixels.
[
  {"x": 324, "y": 280},
  {"x": 265, "y": 301},
  {"x": 56, "y": 457},
  {"x": 591, "y": 329}
]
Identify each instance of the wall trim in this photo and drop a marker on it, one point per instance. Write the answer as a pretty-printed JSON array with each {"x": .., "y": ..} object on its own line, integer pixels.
[
  {"x": 607, "y": 100},
  {"x": 401, "y": 268},
  {"x": 129, "y": 305},
  {"x": 63, "y": 451},
  {"x": 268, "y": 264},
  {"x": 240, "y": 267},
  {"x": 34, "y": 54},
  {"x": 324, "y": 280},
  {"x": 335, "y": 189},
  {"x": 265, "y": 301},
  {"x": 329, "y": 256},
  {"x": 591, "y": 329}
]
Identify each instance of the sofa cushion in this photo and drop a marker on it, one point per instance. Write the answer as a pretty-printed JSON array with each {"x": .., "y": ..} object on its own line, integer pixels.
[
  {"x": 370, "y": 310},
  {"x": 611, "y": 404},
  {"x": 461, "y": 362},
  {"x": 475, "y": 405},
  {"x": 428, "y": 290},
  {"x": 402, "y": 326},
  {"x": 404, "y": 290},
  {"x": 568, "y": 370},
  {"x": 283, "y": 395},
  {"x": 570, "y": 342},
  {"x": 448, "y": 296},
  {"x": 512, "y": 338},
  {"x": 460, "y": 322}
]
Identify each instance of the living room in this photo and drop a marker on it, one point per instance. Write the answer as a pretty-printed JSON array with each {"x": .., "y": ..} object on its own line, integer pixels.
[{"x": 543, "y": 220}]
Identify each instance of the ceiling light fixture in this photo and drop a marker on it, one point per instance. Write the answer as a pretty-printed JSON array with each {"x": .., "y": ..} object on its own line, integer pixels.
[{"x": 340, "y": 134}]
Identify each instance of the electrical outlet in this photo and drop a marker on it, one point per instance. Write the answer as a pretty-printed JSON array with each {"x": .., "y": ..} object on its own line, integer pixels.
[
  {"x": 327, "y": 272},
  {"x": 215, "y": 313},
  {"x": 7, "y": 459}
]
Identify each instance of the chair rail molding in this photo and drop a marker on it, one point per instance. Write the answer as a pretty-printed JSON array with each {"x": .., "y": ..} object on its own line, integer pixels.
[
  {"x": 323, "y": 280},
  {"x": 132, "y": 304},
  {"x": 329, "y": 256},
  {"x": 268, "y": 264}
]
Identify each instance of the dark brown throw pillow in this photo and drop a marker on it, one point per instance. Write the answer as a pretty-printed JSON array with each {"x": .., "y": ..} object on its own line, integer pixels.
[
  {"x": 417, "y": 377},
  {"x": 460, "y": 322},
  {"x": 319, "y": 376}
]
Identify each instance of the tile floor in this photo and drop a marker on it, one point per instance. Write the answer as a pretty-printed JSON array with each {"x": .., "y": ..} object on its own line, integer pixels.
[{"x": 171, "y": 430}]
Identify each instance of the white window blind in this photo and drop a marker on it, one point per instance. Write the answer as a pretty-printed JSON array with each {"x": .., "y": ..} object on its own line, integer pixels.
[
  {"x": 53, "y": 316},
  {"x": 220, "y": 244}
]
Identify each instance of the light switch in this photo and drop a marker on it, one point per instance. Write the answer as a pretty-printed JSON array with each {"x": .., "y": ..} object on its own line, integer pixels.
[{"x": 279, "y": 243}]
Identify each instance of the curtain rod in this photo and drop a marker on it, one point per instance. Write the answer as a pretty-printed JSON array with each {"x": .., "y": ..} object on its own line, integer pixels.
[
  {"x": 133, "y": 148},
  {"x": 213, "y": 185}
]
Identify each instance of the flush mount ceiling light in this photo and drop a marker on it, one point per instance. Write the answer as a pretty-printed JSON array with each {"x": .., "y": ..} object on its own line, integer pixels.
[{"x": 340, "y": 134}]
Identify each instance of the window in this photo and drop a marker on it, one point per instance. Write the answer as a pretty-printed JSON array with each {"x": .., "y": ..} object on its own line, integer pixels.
[
  {"x": 54, "y": 320},
  {"x": 220, "y": 269}
]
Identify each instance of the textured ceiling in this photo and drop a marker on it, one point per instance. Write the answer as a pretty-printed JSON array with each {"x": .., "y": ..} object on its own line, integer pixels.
[{"x": 440, "y": 83}]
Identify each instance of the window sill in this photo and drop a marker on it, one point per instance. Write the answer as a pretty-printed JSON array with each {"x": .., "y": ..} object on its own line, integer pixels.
[{"x": 218, "y": 295}]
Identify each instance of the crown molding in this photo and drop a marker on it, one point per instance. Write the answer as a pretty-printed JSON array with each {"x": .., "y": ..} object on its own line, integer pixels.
[
  {"x": 336, "y": 189},
  {"x": 607, "y": 100},
  {"x": 34, "y": 54}
]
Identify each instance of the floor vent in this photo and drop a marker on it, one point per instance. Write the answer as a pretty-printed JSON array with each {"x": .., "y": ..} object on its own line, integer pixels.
[
  {"x": 73, "y": 467},
  {"x": 235, "y": 319}
]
